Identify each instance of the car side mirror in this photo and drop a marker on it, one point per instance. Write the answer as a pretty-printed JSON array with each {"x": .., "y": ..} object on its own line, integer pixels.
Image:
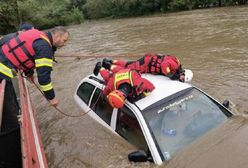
[
  {"x": 138, "y": 156},
  {"x": 226, "y": 103}
]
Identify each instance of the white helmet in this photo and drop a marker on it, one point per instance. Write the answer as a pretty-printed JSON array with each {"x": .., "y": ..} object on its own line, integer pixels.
[{"x": 188, "y": 75}]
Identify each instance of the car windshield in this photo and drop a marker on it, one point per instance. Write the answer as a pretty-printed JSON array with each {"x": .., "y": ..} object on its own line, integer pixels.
[{"x": 178, "y": 120}]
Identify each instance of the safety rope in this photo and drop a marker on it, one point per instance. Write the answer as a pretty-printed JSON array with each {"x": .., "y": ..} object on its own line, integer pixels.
[
  {"x": 94, "y": 56},
  {"x": 59, "y": 110}
]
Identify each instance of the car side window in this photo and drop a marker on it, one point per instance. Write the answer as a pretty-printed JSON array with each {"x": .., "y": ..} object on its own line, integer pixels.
[
  {"x": 101, "y": 107},
  {"x": 128, "y": 127},
  {"x": 84, "y": 91}
]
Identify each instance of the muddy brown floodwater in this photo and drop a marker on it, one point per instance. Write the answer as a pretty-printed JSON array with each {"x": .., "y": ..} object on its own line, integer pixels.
[{"x": 212, "y": 43}]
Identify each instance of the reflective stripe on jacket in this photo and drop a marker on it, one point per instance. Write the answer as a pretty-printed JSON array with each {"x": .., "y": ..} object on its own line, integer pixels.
[
  {"x": 6, "y": 70},
  {"x": 123, "y": 76},
  {"x": 47, "y": 87}
]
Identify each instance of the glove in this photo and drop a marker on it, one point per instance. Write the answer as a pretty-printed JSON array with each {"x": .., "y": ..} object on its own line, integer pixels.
[
  {"x": 106, "y": 63},
  {"x": 146, "y": 93},
  {"x": 28, "y": 73},
  {"x": 182, "y": 78},
  {"x": 97, "y": 68}
]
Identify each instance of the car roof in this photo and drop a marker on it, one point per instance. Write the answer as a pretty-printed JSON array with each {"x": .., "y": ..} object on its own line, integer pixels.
[{"x": 164, "y": 87}]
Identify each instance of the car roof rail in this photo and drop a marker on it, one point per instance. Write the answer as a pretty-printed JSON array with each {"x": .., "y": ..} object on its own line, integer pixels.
[{"x": 96, "y": 79}]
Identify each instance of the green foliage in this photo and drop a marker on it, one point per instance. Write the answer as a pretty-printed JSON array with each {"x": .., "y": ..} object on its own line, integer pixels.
[
  {"x": 9, "y": 16},
  {"x": 119, "y": 8},
  {"x": 122, "y": 8},
  {"x": 164, "y": 5},
  {"x": 45, "y": 14},
  {"x": 177, "y": 4},
  {"x": 78, "y": 4},
  {"x": 57, "y": 13},
  {"x": 42, "y": 14},
  {"x": 96, "y": 9}
]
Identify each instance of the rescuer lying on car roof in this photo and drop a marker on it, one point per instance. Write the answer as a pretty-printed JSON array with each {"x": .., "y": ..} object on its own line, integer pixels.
[
  {"x": 122, "y": 83},
  {"x": 167, "y": 65}
]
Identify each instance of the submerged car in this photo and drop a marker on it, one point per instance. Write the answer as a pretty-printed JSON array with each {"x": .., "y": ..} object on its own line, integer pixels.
[{"x": 160, "y": 125}]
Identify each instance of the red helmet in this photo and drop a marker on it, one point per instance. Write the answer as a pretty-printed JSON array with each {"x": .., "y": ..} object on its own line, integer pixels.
[{"x": 116, "y": 98}]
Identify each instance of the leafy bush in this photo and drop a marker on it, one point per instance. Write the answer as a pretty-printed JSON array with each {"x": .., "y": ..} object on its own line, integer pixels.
[
  {"x": 95, "y": 9},
  {"x": 42, "y": 14},
  {"x": 45, "y": 14},
  {"x": 9, "y": 16},
  {"x": 50, "y": 16}
]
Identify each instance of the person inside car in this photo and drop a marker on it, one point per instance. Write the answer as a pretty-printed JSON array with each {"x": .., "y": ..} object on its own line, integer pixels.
[
  {"x": 167, "y": 65},
  {"x": 122, "y": 83}
]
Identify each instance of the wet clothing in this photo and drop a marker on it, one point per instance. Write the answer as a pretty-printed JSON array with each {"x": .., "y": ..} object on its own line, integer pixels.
[
  {"x": 167, "y": 65},
  {"x": 126, "y": 80},
  {"x": 38, "y": 55}
]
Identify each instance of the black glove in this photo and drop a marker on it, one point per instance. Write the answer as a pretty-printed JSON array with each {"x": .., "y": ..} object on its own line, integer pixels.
[
  {"x": 106, "y": 63},
  {"x": 29, "y": 73},
  {"x": 97, "y": 68}
]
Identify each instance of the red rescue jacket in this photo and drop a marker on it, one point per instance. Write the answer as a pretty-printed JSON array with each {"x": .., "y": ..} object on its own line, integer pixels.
[
  {"x": 19, "y": 50},
  {"x": 123, "y": 76},
  {"x": 166, "y": 65},
  {"x": 154, "y": 65},
  {"x": 128, "y": 76}
]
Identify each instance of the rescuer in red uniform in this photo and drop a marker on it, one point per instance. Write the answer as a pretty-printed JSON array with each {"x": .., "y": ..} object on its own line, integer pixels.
[
  {"x": 167, "y": 65},
  {"x": 122, "y": 83}
]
